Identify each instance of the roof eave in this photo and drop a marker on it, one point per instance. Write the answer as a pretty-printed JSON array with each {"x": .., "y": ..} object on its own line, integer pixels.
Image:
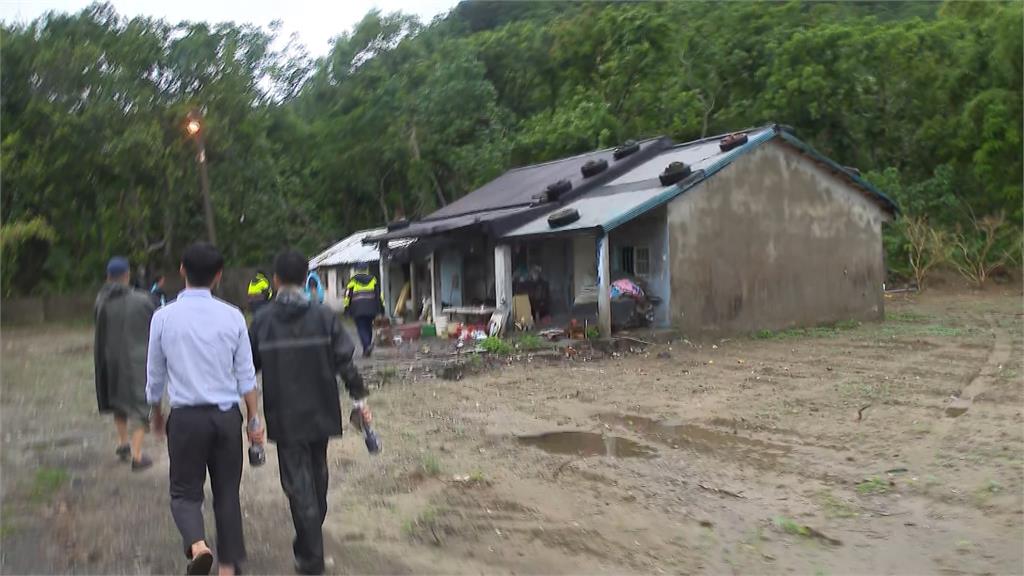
[{"x": 883, "y": 199}]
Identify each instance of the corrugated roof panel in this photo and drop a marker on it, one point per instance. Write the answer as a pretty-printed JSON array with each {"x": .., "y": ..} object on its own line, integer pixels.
[
  {"x": 699, "y": 155},
  {"x": 518, "y": 186},
  {"x": 595, "y": 210},
  {"x": 436, "y": 226},
  {"x": 351, "y": 250}
]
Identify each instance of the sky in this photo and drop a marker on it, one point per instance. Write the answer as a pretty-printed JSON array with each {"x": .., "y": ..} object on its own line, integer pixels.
[{"x": 316, "y": 22}]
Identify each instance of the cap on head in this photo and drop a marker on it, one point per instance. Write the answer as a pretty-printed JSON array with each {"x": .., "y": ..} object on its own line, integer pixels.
[{"x": 117, "y": 266}]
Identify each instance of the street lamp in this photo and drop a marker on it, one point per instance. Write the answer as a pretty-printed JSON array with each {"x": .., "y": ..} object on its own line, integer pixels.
[{"x": 194, "y": 128}]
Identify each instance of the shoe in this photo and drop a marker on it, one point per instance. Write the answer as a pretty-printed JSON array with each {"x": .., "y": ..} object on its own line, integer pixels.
[
  {"x": 141, "y": 464},
  {"x": 200, "y": 564},
  {"x": 124, "y": 452}
]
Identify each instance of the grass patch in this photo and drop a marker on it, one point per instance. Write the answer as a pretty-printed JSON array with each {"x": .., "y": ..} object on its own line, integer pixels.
[
  {"x": 386, "y": 374},
  {"x": 6, "y": 529},
  {"x": 905, "y": 316},
  {"x": 827, "y": 331},
  {"x": 873, "y": 390},
  {"x": 477, "y": 476},
  {"x": 529, "y": 342},
  {"x": 47, "y": 482},
  {"x": 426, "y": 519},
  {"x": 873, "y": 485},
  {"x": 495, "y": 345},
  {"x": 431, "y": 465},
  {"x": 790, "y": 526},
  {"x": 834, "y": 507}
]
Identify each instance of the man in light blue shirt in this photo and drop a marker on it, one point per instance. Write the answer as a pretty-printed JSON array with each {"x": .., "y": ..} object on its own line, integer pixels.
[{"x": 199, "y": 352}]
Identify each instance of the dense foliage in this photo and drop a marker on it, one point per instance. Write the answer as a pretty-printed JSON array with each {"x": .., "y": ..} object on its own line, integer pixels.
[{"x": 403, "y": 116}]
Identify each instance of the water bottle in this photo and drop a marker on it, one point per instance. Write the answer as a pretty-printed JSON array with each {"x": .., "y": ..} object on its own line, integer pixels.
[
  {"x": 257, "y": 455},
  {"x": 369, "y": 436}
]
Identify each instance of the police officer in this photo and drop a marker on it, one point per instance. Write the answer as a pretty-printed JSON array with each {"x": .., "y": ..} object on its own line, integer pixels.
[
  {"x": 363, "y": 302},
  {"x": 260, "y": 292}
]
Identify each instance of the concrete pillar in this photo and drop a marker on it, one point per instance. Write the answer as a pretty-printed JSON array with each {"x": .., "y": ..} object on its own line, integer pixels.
[
  {"x": 435, "y": 289},
  {"x": 503, "y": 277},
  {"x": 414, "y": 301},
  {"x": 385, "y": 280},
  {"x": 604, "y": 302},
  {"x": 503, "y": 282}
]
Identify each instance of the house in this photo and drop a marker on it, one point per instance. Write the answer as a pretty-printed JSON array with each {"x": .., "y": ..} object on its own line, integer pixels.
[
  {"x": 734, "y": 233},
  {"x": 335, "y": 265}
]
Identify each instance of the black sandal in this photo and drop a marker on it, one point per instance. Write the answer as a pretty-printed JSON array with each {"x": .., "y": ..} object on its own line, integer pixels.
[{"x": 201, "y": 564}]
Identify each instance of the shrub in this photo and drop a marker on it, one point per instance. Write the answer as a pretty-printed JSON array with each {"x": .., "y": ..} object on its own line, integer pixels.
[
  {"x": 24, "y": 245},
  {"x": 495, "y": 345},
  {"x": 977, "y": 255},
  {"x": 927, "y": 247}
]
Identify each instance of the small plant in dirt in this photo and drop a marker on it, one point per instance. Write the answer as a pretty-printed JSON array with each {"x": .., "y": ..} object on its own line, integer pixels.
[
  {"x": 47, "y": 482},
  {"x": 790, "y": 526},
  {"x": 431, "y": 465},
  {"x": 593, "y": 333},
  {"x": 495, "y": 345},
  {"x": 386, "y": 375},
  {"x": 993, "y": 487},
  {"x": 873, "y": 485}
]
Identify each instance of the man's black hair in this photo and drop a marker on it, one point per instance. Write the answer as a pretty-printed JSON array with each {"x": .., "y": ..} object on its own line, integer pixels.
[
  {"x": 202, "y": 262},
  {"x": 291, "y": 267}
]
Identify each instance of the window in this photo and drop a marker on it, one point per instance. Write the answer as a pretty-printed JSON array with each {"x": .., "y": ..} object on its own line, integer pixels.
[
  {"x": 626, "y": 260},
  {"x": 635, "y": 260},
  {"x": 642, "y": 261}
]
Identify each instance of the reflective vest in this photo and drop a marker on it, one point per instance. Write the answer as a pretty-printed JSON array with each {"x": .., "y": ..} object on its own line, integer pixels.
[
  {"x": 361, "y": 294},
  {"x": 259, "y": 288}
]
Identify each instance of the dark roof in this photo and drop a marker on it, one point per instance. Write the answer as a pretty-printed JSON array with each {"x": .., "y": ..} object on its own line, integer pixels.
[
  {"x": 516, "y": 190},
  {"x": 507, "y": 203}
]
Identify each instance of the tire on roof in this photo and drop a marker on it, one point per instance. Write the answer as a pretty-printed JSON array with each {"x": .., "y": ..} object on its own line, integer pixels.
[
  {"x": 673, "y": 173},
  {"x": 594, "y": 167},
  {"x": 628, "y": 147},
  {"x": 563, "y": 217}
]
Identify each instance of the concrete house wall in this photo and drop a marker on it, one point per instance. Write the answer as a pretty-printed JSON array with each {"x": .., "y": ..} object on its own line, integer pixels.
[
  {"x": 774, "y": 240},
  {"x": 648, "y": 231}
]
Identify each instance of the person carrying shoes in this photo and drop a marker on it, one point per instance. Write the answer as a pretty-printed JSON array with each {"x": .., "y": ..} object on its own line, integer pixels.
[{"x": 301, "y": 348}]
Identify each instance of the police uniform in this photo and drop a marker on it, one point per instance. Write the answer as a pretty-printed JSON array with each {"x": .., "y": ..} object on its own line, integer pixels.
[
  {"x": 363, "y": 301},
  {"x": 260, "y": 292}
]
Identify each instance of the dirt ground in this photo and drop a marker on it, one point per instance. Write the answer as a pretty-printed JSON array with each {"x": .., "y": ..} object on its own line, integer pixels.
[{"x": 853, "y": 449}]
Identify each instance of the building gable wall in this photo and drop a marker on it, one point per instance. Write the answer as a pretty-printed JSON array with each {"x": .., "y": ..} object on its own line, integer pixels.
[{"x": 772, "y": 241}]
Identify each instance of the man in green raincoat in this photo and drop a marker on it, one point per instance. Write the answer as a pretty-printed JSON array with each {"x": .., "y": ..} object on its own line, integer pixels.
[{"x": 121, "y": 345}]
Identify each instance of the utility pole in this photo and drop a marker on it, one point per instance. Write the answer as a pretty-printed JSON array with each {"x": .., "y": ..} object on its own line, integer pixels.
[{"x": 195, "y": 129}]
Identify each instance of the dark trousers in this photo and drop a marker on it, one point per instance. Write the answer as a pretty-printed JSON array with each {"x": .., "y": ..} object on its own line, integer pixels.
[
  {"x": 201, "y": 438},
  {"x": 364, "y": 326},
  {"x": 304, "y": 479}
]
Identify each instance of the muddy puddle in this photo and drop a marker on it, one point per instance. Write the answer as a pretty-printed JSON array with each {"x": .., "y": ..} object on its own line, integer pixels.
[
  {"x": 587, "y": 444},
  {"x": 705, "y": 440}
]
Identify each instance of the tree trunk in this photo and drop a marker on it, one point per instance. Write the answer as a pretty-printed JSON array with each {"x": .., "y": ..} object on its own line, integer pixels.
[{"x": 415, "y": 145}]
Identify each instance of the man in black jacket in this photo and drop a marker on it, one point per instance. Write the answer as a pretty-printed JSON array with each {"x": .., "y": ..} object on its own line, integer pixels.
[{"x": 301, "y": 348}]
